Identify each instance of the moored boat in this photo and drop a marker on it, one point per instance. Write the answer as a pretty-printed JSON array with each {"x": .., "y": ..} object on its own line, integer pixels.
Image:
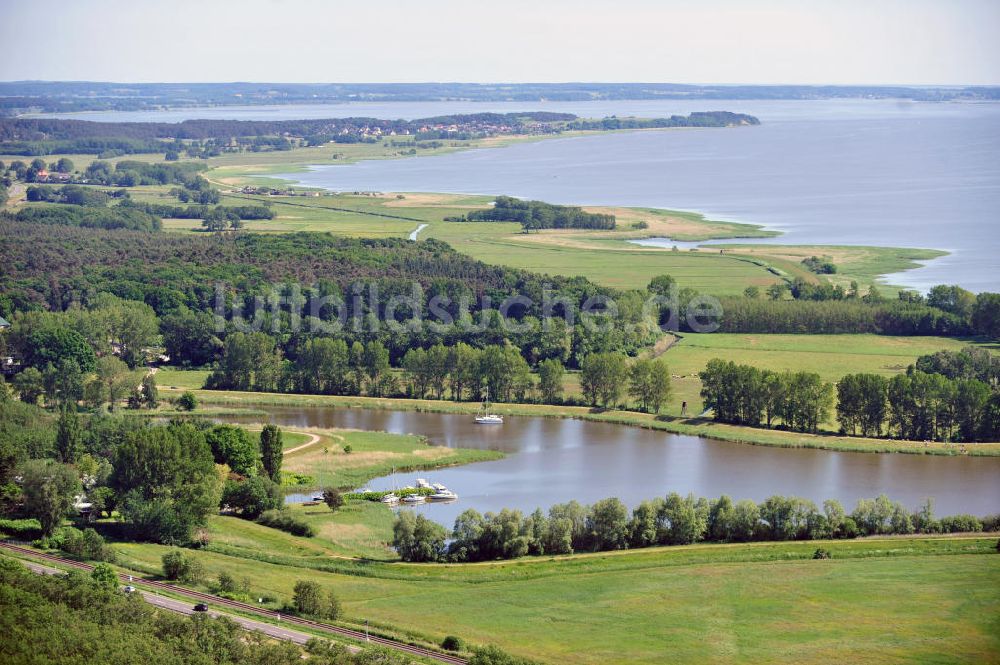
[{"x": 484, "y": 417}]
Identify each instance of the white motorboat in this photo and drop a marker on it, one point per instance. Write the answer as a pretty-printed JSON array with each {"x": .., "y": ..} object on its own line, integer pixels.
[
  {"x": 423, "y": 484},
  {"x": 443, "y": 495},
  {"x": 414, "y": 498},
  {"x": 390, "y": 498},
  {"x": 484, "y": 417}
]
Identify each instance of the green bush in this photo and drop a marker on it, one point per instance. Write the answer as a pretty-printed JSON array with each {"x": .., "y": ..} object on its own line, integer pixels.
[
  {"x": 452, "y": 643},
  {"x": 28, "y": 529},
  {"x": 179, "y": 566},
  {"x": 491, "y": 655},
  {"x": 821, "y": 553},
  {"x": 960, "y": 524},
  {"x": 187, "y": 401},
  {"x": 292, "y": 479},
  {"x": 282, "y": 519}
]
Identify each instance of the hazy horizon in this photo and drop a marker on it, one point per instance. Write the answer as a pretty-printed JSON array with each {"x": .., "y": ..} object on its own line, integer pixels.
[
  {"x": 751, "y": 84},
  {"x": 724, "y": 42}
]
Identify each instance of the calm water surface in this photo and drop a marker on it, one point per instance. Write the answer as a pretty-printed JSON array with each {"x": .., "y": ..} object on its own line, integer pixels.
[
  {"x": 830, "y": 172},
  {"x": 553, "y": 460}
]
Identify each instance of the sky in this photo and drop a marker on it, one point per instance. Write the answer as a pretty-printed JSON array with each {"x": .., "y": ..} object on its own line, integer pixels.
[{"x": 907, "y": 42}]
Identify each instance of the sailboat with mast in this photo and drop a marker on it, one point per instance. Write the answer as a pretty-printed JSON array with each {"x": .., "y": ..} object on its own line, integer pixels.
[{"x": 484, "y": 417}]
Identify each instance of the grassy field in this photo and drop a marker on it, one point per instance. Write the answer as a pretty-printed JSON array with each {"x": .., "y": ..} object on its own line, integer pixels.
[
  {"x": 603, "y": 256},
  {"x": 359, "y": 529},
  {"x": 903, "y": 599},
  {"x": 866, "y": 265},
  {"x": 170, "y": 377},
  {"x": 831, "y": 356},
  {"x": 611, "y": 262}
]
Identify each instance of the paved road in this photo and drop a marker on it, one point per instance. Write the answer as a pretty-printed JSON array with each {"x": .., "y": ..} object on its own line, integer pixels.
[{"x": 184, "y": 607}]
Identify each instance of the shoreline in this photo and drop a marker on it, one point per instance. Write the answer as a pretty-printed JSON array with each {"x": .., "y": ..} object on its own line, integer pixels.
[
  {"x": 685, "y": 426},
  {"x": 727, "y": 233}
]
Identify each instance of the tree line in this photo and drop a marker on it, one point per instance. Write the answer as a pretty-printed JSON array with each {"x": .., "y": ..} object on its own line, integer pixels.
[
  {"x": 832, "y": 317},
  {"x": 45, "y": 136},
  {"x": 536, "y": 215},
  {"x": 695, "y": 119},
  {"x": 747, "y": 395},
  {"x": 673, "y": 520},
  {"x": 917, "y": 405},
  {"x": 72, "y": 195},
  {"x": 200, "y": 211},
  {"x": 89, "y": 217}
]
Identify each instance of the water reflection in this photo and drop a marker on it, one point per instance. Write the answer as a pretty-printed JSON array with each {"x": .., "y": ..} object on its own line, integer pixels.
[{"x": 553, "y": 461}]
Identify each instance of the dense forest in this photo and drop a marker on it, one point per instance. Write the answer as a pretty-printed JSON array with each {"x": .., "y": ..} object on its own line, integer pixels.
[
  {"x": 69, "y": 96},
  {"x": 536, "y": 215},
  {"x": 345, "y": 288}
]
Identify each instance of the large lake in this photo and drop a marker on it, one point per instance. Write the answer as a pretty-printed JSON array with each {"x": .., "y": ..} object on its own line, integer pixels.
[
  {"x": 878, "y": 172},
  {"x": 554, "y": 460}
]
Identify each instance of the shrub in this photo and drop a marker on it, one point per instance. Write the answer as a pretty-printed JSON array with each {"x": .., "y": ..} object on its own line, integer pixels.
[
  {"x": 28, "y": 529},
  {"x": 491, "y": 655},
  {"x": 307, "y": 597},
  {"x": 332, "y": 610},
  {"x": 179, "y": 566},
  {"x": 348, "y": 449},
  {"x": 282, "y": 519},
  {"x": 990, "y": 522},
  {"x": 333, "y": 499},
  {"x": 821, "y": 553},
  {"x": 104, "y": 576},
  {"x": 451, "y": 643},
  {"x": 226, "y": 582},
  {"x": 292, "y": 479},
  {"x": 187, "y": 401},
  {"x": 960, "y": 524}
]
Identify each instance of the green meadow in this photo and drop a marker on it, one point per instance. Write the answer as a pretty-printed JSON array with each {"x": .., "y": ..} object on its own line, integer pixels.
[
  {"x": 830, "y": 356},
  {"x": 913, "y": 599}
]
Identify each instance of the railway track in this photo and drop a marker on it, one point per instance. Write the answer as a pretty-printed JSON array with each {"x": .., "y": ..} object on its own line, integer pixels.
[{"x": 358, "y": 635}]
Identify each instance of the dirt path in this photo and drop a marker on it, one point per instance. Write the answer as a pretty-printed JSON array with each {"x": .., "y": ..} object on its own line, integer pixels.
[
  {"x": 314, "y": 439},
  {"x": 662, "y": 345}
]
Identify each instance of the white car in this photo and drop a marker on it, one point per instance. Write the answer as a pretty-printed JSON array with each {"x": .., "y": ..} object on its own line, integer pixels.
[{"x": 128, "y": 589}]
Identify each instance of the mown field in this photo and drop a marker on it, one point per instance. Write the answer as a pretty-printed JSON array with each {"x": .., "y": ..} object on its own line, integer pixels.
[
  {"x": 881, "y": 601},
  {"x": 602, "y": 256}
]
